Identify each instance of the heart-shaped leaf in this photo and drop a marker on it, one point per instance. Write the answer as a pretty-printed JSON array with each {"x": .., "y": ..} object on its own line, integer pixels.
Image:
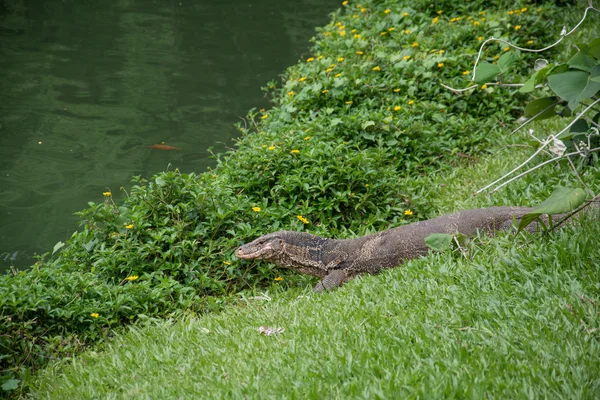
[
  {"x": 485, "y": 72},
  {"x": 562, "y": 200}
]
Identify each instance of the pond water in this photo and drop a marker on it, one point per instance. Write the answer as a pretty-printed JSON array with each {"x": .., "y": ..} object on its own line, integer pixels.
[{"x": 87, "y": 86}]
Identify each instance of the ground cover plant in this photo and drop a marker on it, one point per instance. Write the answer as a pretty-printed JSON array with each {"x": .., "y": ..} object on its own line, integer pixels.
[{"x": 358, "y": 129}]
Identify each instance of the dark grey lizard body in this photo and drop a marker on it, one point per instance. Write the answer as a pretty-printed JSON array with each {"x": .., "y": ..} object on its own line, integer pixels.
[{"x": 337, "y": 261}]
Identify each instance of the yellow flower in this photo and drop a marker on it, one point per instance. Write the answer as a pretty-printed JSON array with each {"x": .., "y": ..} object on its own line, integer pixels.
[
  {"x": 406, "y": 58},
  {"x": 338, "y": 75},
  {"x": 290, "y": 93},
  {"x": 382, "y": 33},
  {"x": 440, "y": 65},
  {"x": 466, "y": 72},
  {"x": 440, "y": 12},
  {"x": 279, "y": 278},
  {"x": 517, "y": 27},
  {"x": 396, "y": 90},
  {"x": 301, "y": 218},
  {"x": 302, "y": 79},
  {"x": 310, "y": 59},
  {"x": 392, "y": 29},
  {"x": 511, "y": 12},
  {"x": 376, "y": 68},
  {"x": 406, "y": 32},
  {"x": 341, "y": 59},
  {"x": 387, "y": 11},
  {"x": 441, "y": 51},
  {"x": 435, "y": 20},
  {"x": 408, "y": 212},
  {"x": 327, "y": 33},
  {"x": 307, "y": 137},
  {"x": 131, "y": 278},
  {"x": 480, "y": 38},
  {"x": 523, "y": 9},
  {"x": 415, "y": 44},
  {"x": 106, "y": 194},
  {"x": 530, "y": 42},
  {"x": 295, "y": 151},
  {"x": 345, "y": 3},
  {"x": 256, "y": 209},
  {"x": 357, "y": 36},
  {"x": 319, "y": 57},
  {"x": 94, "y": 315},
  {"x": 360, "y": 53},
  {"x": 496, "y": 57},
  {"x": 324, "y": 91},
  {"x": 353, "y": 31},
  {"x": 328, "y": 70},
  {"x": 355, "y": 16},
  {"x": 484, "y": 86},
  {"x": 506, "y": 49},
  {"x": 411, "y": 102},
  {"x": 265, "y": 116},
  {"x": 397, "y": 108},
  {"x": 341, "y": 27},
  {"x": 130, "y": 226},
  {"x": 405, "y": 14},
  {"x": 349, "y": 102},
  {"x": 226, "y": 263},
  {"x": 271, "y": 148},
  {"x": 342, "y": 33},
  {"x": 476, "y": 23},
  {"x": 362, "y": 10},
  {"x": 262, "y": 110}
]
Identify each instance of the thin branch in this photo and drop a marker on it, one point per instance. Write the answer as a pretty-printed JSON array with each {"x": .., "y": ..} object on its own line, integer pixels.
[
  {"x": 541, "y": 165},
  {"x": 535, "y": 116},
  {"x": 563, "y": 35},
  {"x": 545, "y": 143}
]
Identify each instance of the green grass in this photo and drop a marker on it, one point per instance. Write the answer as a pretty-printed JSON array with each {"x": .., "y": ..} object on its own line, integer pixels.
[{"x": 518, "y": 320}]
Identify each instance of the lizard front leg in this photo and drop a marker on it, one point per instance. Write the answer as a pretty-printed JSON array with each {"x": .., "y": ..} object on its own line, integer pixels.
[{"x": 332, "y": 280}]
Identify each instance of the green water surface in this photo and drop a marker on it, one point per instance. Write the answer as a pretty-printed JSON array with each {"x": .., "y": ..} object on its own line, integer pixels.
[{"x": 87, "y": 86}]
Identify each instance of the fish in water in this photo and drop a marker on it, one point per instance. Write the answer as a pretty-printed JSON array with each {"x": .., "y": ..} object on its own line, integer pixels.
[{"x": 163, "y": 147}]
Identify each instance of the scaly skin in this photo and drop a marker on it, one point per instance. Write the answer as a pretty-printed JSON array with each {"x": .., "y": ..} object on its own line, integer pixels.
[{"x": 337, "y": 261}]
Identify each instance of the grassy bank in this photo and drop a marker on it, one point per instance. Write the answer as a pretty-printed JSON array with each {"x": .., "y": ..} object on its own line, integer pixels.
[
  {"x": 518, "y": 319},
  {"x": 361, "y": 133}
]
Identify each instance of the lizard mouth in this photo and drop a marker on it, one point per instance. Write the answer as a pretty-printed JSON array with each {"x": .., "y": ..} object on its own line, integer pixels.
[{"x": 246, "y": 254}]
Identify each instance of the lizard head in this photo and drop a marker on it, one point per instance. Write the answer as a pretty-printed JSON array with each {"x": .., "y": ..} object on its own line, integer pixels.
[{"x": 265, "y": 247}]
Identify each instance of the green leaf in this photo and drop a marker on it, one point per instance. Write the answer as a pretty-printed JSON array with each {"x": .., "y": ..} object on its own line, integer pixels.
[
  {"x": 580, "y": 126},
  {"x": 439, "y": 241},
  {"x": 562, "y": 200},
  {"x": 581, "y": 61},
  {"x": 485, "y": 72},
  {"x": 57, "y": 247},
  {"x": 367, "y": 124},
  {"x": 538, "y": 105},
  {"x": 10, "y": 384},
  {"x": 506, "y": 60},
  {"x": 160, "y": 181},
  {"x": 594, "y": 49},
  {"x": 569, "y": 85},
  {"x": 529, "y": 85},
  {"x": 593, "y": 85}
]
